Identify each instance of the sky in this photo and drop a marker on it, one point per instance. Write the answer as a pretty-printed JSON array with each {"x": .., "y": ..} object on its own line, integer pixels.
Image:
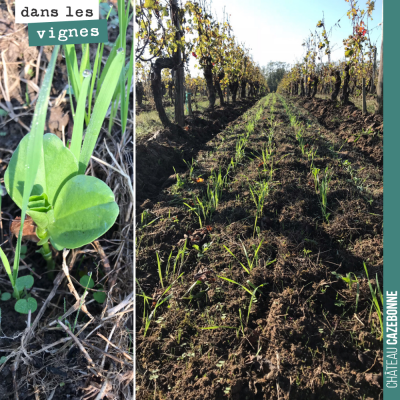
[{"x": 274, "y": 30}]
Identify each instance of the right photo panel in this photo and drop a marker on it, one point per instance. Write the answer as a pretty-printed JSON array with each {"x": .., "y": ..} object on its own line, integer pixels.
[{"x": 259, "y": 201}]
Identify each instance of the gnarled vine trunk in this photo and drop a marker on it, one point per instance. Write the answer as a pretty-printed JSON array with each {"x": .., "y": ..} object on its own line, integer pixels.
[
  {"x": 233, "y": 87},
  {"x": 218, "y": 87},
  {"x": 139, "y": 93},
  {"x": 338, "y": 82},
  {"x": 302, "y": 87},
  {"x": 171, "y": 92},
  {"x": 208, "y": 76},
  {"x": 315, "y": 88},
  {"x": 309, "y": 87},
  {"x": 156, "y": 87},
  {"x": 243, "y": 89},
  {"x": 344, "y": 98}
]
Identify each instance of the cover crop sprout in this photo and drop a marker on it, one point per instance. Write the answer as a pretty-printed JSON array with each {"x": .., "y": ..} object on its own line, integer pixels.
[
  {"x": 47, "y": 180},
  {"x": 322, "y": 188}
]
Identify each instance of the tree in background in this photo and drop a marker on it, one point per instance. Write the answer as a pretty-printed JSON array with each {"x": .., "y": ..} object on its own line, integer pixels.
[
  {"x": 379, "y": 88},
  {"x": 161, "y": 42},
  {"x": 273, "y": 72}
]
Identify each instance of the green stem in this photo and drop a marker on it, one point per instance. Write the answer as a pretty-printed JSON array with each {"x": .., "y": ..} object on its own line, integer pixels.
[
  {"x": 45, "y": 250},
  {"x": 47, "y": 255}
]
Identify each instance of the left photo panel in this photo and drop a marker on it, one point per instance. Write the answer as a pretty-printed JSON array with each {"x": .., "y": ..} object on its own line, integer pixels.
[{"x": 66, "y": 200}]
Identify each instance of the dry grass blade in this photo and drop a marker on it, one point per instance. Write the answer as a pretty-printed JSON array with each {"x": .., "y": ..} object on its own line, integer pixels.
[
  {"x": 71, "y": 287},
  {"x": 115, "y": 347},
  {"x": 118, "y": 169},
  {"x": 78, "y": 343},
  {"x": 120, "y": 306},
  {"x": 90, "y": 346}
]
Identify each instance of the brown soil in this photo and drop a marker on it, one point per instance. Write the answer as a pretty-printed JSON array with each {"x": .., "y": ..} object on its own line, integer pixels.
[
  {"x": 159, "y": 152},
  {"x": 350, "y": 124},
  {"x": 307, "y": 337}
]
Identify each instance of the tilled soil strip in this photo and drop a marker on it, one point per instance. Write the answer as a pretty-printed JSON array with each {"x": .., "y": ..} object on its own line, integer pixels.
[{"x": 270, "y": 315}]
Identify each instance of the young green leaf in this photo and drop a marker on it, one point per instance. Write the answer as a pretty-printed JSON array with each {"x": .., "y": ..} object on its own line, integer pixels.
[
  {"x": 24, "y": 282},
  {"x": 48, "y": 180},
  {"x": 23, "y": 306},
  {"x": 100, "y": 297},
  {"x": 85, "y": 209},
  {"x": 7, "y": 267},
  {"x": 86, "y": 281},
  {"x": 34, "y": 148},
  {"x": 100, "y": 109},
  {"x": 77, "y": 132},
  {"x": 5, "y": 296}
]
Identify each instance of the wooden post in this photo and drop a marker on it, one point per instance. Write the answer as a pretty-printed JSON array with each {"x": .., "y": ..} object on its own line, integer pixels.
[
  {"x": 364, "y": 98},
  {"x": 373, "y": 73},
  {"x": 188, "y": 103},
  {"x": 180, "y": 71},
  {"x": 379, "y": 88},
  {"x": 306, "y": 85}
]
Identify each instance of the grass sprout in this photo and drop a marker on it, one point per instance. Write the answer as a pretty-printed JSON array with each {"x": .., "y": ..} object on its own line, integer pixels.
[
  {"x": 377, "y": 299},
  {"x": 250, "y": 262},
  {"x": 321, "y": 183}
]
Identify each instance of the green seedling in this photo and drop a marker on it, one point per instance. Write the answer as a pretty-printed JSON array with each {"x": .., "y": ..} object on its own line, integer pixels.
[
  {"x": 69, "y": 208},
  {"x": 240, "y": 146},
  {"x": 87, "y": 282},
  {"x": 266, "y": 158},
  {"x": 201, "y": 250},
  {"x": 5, "y": 296},
  {"x": 28, "y": 175},
  {"x": 197, "y": 295},
  {"x": 191, "y": 166},
  {"x": 358, "y": 182},
  {"x": 159, "y": 270},
  {"x": 368, "y": 132},
  {"x": 311, "y": 155},
  {"x": 377, "y": 299},
  {"x": 293, "y": 121},
  {"x": 144, "y": 218},
  {"x": 306, "y": 252},
  {"x": 322, "y": 188},
  {"x": 179, "y": 181},
  {"x": 302, "y": 144},
  {"x": 206, "y": 206},
  {"x": 250, "y": 262},
  {"x": 119, "y": 93},
  {"x": 196, "y": 209},
  {"x": 252, "y": 298},
  {"x": 145, "y": 299},
  {"x": 48, "y": 182},
  {"x": 259, "y": 193},
  {"x": 180, "y": 256},
  {"x": 161, "y": 300},
  {"x": 25, "y": 302},
  {"x": 348, "y": 279},
  {"x": 214, "y": 190}
]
